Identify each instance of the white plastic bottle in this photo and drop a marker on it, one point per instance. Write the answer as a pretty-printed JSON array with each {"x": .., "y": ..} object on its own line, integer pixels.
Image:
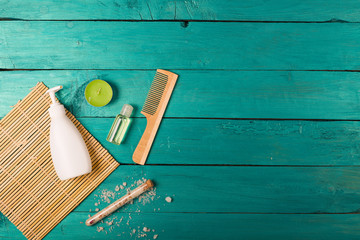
[{"x": 68, "y": 149}]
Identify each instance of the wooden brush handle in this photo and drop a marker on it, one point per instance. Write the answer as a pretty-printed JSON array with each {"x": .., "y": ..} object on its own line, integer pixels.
[{"x": 143, "y": 148}]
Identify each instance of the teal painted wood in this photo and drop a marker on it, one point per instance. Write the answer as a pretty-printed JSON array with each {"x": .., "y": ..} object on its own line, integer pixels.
[
  {"x": 209, "y": 226},
  {"x": 210, "y": 202},
  {"x": 170, "y": 45},
  {"x": 228, "y": 189},
  {"x": 248, "y": 10},
  {"x": 204, "y": 141},
  {"x": 203, "y": 94}
]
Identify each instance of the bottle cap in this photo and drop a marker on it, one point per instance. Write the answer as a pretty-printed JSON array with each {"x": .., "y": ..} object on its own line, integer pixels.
[{"x": 126, "y": 110}]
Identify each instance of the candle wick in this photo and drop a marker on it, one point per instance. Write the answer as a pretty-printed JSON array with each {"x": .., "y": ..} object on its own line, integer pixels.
[{"x": 98, "y": 92}]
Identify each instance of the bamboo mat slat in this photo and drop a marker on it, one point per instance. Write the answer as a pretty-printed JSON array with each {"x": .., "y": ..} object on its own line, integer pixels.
[{"x": 31, "y": 194}]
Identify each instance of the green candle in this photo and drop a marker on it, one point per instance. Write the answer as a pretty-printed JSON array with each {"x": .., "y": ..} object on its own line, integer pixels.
[{"x": 98, "y": 93}]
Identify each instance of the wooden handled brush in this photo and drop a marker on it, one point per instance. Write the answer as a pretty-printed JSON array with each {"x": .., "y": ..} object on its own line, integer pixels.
[{"x": 153, "y": 110}]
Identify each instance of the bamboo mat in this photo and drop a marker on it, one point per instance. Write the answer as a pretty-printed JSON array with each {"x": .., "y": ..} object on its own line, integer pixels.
[{"x": 31, "y": 195}]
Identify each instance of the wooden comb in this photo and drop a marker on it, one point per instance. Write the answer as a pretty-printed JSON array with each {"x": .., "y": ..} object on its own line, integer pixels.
[{"x": 153, "y": 110}]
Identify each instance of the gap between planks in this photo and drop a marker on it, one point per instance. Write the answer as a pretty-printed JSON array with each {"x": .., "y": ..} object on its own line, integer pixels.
[{"x": 333, "y": 20}]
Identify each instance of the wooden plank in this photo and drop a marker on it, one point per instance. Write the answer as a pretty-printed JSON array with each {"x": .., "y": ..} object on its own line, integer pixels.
[
  {"x": 203, "y": 94},
  {"x": 246, "y": 10},
  {"x": 203, "y": 141},
  {"x": 171, "y": 45},
  {"x": 207, "y": 226},
  {"x": 237, "y": 189},
  {"x": 237, "y": 142}
]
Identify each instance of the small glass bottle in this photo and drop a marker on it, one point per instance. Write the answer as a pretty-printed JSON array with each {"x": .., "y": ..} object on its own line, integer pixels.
[{"x": 120, "y": 125}]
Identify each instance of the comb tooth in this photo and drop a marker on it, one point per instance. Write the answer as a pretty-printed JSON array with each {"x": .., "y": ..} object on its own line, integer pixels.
[
  {"x": 155, "y": 94},
  {"x": 152, "y": 110},
  {"x": 156, "y": 90},
  {"x": 154, "y": 97},
  {"x": 151, "y": 106},
  {"x": 158, "y": 84}
]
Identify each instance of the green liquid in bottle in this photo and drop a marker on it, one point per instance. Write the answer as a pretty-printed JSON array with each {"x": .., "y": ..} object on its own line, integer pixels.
[{"x": 120, "y": 125}]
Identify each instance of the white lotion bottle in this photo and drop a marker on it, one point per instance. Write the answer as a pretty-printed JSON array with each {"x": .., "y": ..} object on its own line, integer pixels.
[{"x": 68, "y": 149}]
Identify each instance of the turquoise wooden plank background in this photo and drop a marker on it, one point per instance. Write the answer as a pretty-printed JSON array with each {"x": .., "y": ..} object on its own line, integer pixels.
[
  {"x": 206, "y": 93},
  {"x": 246, "y": 10},
  {"x": 261, "y": 137},
  {"x": 215, "y": 45}
]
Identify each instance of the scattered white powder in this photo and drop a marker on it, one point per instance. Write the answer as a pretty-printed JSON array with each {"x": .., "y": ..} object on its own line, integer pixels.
[
  {"x": 168, "y": 199},
  {"x": 111, "y": 222},
  {"x": 141, "y": 181},
  {"x": 118, "y": 223},
  {"x": 106, "y": 195}
]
